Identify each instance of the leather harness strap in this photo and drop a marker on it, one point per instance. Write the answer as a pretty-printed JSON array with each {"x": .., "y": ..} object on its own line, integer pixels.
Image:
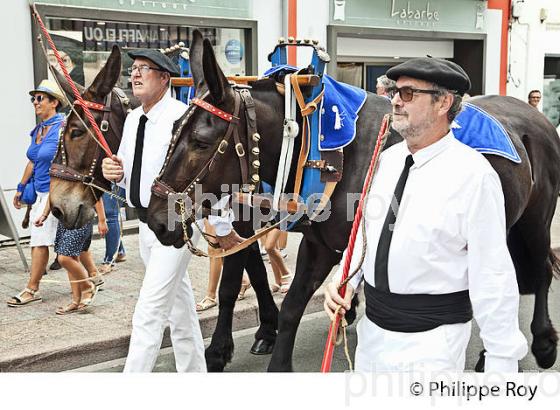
[{"x": 65, "y": 172}]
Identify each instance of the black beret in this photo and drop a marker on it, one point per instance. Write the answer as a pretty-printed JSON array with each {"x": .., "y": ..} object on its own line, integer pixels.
[
  {"x": 435, "y": 70},
  {"x": 158, "y": 58}
]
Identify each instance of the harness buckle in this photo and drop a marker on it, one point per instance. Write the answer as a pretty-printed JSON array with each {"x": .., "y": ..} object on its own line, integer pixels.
[
  {"x": 104, "y": 126},
  {"x": 222, "y": 147},
  {"x": 239, "y": 149},
  {"x": 291, "y": 128}
]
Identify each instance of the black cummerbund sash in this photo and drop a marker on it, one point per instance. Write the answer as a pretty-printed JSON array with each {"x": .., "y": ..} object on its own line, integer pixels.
[
  {"x": 142, "y": 214},
  {"x": 416, "y": 312}
]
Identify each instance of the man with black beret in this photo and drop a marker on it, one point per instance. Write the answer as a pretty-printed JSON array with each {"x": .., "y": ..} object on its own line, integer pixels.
[
  {"x": 437, "y": 254},
  {"x": 166, "y": 296}
]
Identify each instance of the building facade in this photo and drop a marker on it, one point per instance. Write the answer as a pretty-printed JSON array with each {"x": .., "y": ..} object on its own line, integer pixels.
[
  {"x": 363, "y": 37},
  {"x": 534, "y": 62}
]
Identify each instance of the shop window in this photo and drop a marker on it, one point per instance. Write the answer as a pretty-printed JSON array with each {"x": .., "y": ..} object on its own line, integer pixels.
[
  {"x": 85, "y": 44},
  {"x": 350, "y": 73},
  {"x": 551, "y": 90}
]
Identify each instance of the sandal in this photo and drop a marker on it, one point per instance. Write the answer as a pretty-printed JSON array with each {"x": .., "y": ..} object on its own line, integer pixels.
[
  {"x": 85, "y": 302},
  {"x": 244, "y": 288},
  {"x": 105, "y": 268},
  {"x": 286, "y": 283},
  {"x": 72, "y": 307},
  {"x": 18, "y": 299},
  {"x": 205, "y": 304},
  {"x": 275, "y": 288},
  {"x": 98, "y": 282}
]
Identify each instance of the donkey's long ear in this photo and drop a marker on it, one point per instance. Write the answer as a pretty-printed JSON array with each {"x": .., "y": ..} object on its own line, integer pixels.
[
  {"x": 216, "y": 81},
  {"x": 66, "y": 86},
  {"x": 108, "y": 76},
  {"x": 195, "y": 57}
]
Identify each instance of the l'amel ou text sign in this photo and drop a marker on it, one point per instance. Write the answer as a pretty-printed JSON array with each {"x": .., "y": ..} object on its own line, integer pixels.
[
  {"x": 125, "y": 34},
  {"x": 404, "y": 13}
]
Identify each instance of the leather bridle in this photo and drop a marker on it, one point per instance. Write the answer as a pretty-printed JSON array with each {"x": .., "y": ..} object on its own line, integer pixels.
[
  {"x": 248, "y": 154},
  {"x": 108, "y": 121}
]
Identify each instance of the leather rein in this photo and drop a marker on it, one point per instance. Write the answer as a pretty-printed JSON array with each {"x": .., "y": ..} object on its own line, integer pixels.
[{"x": 65, "y": 172}]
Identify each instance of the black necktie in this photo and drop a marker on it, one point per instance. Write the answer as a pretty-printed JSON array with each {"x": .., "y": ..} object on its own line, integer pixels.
[
  {"x": 137, "y": 164},
  {"x": 382, "y": 256}
]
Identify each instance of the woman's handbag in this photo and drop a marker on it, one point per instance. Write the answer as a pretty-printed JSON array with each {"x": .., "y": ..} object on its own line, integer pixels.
[{"x": 28, "y": 194}]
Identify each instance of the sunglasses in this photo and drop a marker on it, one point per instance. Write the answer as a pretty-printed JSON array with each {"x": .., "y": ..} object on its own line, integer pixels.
[
  {"x": 38, "y": 98},
  {"x": 407, "y": 93}
]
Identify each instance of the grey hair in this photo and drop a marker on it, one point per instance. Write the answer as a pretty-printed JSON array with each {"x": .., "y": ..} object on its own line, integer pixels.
[
  {"x": 456, "y": 105},
  {"x": 386, "y": 82}
]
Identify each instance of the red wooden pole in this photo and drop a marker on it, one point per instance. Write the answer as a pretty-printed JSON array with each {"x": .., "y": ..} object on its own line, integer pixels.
[{"x": 333, "y": 330}]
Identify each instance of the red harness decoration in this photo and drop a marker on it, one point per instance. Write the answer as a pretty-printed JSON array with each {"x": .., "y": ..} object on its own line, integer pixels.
[
  {"x": 215, "y": 111},
  {"x": 90, "y": 105}
]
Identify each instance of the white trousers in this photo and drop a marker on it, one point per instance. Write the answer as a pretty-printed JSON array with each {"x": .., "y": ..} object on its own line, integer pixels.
[
  {"x": 166, "y": 297},
  {"x": 440, "y": 349}
]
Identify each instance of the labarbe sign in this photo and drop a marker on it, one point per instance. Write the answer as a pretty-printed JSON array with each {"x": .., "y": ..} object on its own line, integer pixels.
[
  {"x": 405, "y": 13},
  {"x": 465, "y": 16}
]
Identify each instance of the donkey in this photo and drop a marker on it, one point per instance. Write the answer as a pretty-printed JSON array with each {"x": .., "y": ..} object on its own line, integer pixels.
[
  {"x": 72, "y": 201},
  {"x": 530, "y": 189}
]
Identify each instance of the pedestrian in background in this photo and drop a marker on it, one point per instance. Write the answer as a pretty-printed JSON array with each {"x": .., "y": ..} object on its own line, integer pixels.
[
  {"x": 384, "y": 86},
  {"x": 72, "y": 247},
  {"x": 114, "y": 248},
  {"x": 534, "y": 98},
  {"x": 47, "y": 100}
]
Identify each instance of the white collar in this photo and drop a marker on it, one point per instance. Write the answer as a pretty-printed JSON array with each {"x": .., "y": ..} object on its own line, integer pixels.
[
  {"x": 424, "y": 155},
  {"x": 158, "y": 108}
]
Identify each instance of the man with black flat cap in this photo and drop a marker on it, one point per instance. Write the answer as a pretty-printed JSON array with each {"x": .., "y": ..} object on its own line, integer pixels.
[
  {"x": 166, "y": 296},
  {"x": 436, "y": 235}
]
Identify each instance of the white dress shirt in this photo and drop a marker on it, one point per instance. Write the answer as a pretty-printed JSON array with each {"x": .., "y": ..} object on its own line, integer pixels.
[
  {"x": 157, "y": 137},
  {"x": 450, "y": 235}
]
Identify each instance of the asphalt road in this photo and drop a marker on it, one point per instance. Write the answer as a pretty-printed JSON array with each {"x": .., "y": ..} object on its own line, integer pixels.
[{"x": 311, "y": 338}]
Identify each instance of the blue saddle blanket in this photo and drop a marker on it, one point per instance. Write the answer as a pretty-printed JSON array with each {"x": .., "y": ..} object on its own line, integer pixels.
[
  {"x": 479, "y": 130},
  {"x": 339, "y": 114},
  {"x": 338, "y": 110}
]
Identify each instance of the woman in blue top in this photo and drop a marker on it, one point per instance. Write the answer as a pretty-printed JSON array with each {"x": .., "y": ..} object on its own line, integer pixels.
[{"x": 47, "y": 100}]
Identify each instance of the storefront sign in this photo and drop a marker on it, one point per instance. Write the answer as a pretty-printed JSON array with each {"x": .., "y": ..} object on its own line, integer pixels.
[
  {"x": 125, "y": 34},
  {"x": 407, "y": 14},
  {"x": 433, "y": 15}
]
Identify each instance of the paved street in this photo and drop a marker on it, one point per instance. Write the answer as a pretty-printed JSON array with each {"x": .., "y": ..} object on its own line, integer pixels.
[{"x": 33, "y": 338}]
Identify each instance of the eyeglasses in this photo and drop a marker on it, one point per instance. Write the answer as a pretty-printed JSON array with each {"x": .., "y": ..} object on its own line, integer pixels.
[
  {"x": 143, "y": 69},
  {"x": 407, "y": 93},
  {"x": 38, "y": 98}
]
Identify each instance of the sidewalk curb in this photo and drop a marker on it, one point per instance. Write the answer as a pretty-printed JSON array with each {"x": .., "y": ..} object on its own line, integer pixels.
[{"x": 245, "y": 316}]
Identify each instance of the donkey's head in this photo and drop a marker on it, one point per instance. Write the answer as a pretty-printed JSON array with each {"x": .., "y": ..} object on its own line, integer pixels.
[
  {"x": 79, "y": 155},
  {"x": 210, "y": 146}
]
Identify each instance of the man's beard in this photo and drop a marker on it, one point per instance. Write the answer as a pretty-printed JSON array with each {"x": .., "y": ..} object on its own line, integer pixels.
[{"x": 410, "y": 132}]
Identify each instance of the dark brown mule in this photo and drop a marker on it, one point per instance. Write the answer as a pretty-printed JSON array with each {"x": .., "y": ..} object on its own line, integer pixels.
[
  {"x": 72, "y": 202},
  {"x": 530, "y": 189}
]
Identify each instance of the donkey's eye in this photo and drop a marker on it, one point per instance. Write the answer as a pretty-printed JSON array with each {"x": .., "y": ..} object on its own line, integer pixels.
[
  {"x": 200, "y": 144},
  {"x": 76, "y": 133}
]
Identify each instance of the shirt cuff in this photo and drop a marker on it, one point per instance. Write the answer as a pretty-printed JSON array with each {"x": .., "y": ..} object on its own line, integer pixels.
[
  {"x": 222, "y": 224},
  {"x": 494, "y": 364}
]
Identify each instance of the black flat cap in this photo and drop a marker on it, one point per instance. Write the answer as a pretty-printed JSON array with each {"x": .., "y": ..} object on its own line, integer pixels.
[
  {"x": 435, "y": 70},
  {"x": 158, "y": 58}
]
